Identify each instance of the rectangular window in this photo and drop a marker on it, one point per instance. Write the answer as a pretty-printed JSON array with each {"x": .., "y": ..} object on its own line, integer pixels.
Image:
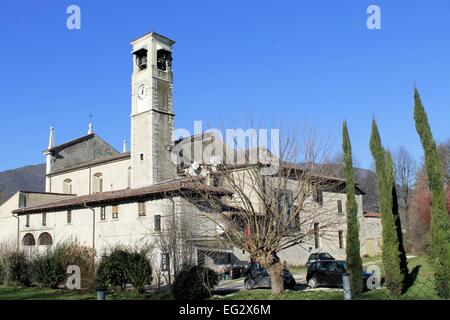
[
  {"x": 27, "y": 221},
  {"x": 318, "y": 196},
  {"x": 157, "y": 222},
  {"x": 69, "y": 216},
  {"x": 215, "y": 181},
  {"x": 115, "y": 212},
  {"x": 297, "y": 221},
  {"x": 44, "y": 219},
  {"x": 102, "y": 213},
  {"x": 164, "y": 262},
  {"x": 141, "y": 157},
  {"x": 129, "y": 178},
  {"x": 285, "y": 205},
  {"x": 141, "y": 209},
  {"x": 339, "y": 205},
  {"x": 341, "y": 239},
  {"x": 316, "y": 235}
]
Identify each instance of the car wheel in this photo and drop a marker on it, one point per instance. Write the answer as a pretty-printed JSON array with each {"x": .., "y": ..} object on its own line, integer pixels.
[
  {"x": 249, "y": 284},
  {"x": 312, "y": 283}
]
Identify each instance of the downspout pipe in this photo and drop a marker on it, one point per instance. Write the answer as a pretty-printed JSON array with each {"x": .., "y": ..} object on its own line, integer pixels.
[
  {"x": 18, "y": 231},
  {"x": 93, "y": 224}
]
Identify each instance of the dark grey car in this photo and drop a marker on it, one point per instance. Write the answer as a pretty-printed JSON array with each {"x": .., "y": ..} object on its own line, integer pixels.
[
  {"x": 328, "y": 273},
  {"x": 257, "y": 277}
]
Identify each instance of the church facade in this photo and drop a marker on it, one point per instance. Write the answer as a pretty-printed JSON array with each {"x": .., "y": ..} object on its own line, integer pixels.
[{"x": 103, "y": 198}]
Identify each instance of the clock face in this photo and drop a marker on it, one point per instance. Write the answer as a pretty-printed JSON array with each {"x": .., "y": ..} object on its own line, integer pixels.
[{"x": 142, "y": 92}]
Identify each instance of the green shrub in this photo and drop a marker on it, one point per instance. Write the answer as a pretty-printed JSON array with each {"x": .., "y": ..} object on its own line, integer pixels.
[
  {"x": 195, "y": 282},
  {"x": 124, "y": 266},
  {"x": 138, "y": 270},
  {"x": 18, "y": 269},
  {"x": 3, "y": 266},
  {"x": 83, "y": 257},
  {"x": 47, "y": 269},
  {"x": 111, "y": 272},
  {"x": 2, "y": 272}
]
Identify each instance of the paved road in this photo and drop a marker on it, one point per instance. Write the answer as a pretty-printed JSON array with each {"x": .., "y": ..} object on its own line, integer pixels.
[{"x": 230, "y": 286}]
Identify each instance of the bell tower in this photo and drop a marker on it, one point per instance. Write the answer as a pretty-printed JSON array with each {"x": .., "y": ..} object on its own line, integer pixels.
[{"x": 152, "y": 117}]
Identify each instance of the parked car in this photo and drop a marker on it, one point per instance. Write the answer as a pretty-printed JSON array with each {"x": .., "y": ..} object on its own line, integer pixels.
[
  {"x": 328, "y": 273},
  {"x": 257, "y": 277},
  {"x": 317, "y": 256}
]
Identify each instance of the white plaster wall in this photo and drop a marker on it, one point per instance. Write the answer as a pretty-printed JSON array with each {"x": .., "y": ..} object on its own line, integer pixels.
[
  {"x": 115, "y": 177},
  {"x": 141, "y": 142},
  {"x": 8, "y": 224},
  {"x": 129, "y": 229}
]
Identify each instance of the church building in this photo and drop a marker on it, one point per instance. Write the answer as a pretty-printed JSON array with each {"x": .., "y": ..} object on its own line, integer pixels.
[{"x": 102, "y": 197}]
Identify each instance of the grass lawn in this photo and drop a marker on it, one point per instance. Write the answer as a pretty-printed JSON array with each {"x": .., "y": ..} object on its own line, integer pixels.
[
  {"x": 422, "y": 288},
  {"x": 376, "y": 259},
  {"x": 297, "y": 269},
  {"x": 36, "y": 293}
]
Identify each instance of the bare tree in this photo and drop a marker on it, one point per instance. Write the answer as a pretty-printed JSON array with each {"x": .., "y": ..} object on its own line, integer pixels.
[
  {"x": 268, "y": 211},
  {"x": 173, "y": 240},
  {"x": 405, "y": 171},
  {"x": 168, "y": 243},
  {"x": 444, "y": 156}
]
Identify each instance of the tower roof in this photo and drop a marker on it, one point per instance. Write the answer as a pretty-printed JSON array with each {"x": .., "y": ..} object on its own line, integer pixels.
[{"x": 154, "y": 35}]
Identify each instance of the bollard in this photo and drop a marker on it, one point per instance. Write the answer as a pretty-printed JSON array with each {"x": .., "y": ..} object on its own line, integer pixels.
[
  {"x": 346, "y": 286},
  {"x": 101, "y": 295}
]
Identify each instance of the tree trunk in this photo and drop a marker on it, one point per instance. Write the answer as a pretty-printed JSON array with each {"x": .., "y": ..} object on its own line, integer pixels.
[
  {"x": 276, "y": 277},
  {"x": 274, "y": 268}
]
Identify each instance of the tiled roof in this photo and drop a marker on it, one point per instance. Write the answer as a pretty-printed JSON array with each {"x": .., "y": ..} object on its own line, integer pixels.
[
  {"x": 70, "y": 143},
  {"x": 117, "y": 157},
  {"x": 175, "y": 186}
]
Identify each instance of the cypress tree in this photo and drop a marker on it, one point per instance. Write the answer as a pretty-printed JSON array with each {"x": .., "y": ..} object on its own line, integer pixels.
[
  {"x": 393, "y": 203},
  {"x": 440, "y": 225},
  {"x": 395, "y": 277},
  {"x": 354, "y": 262}
]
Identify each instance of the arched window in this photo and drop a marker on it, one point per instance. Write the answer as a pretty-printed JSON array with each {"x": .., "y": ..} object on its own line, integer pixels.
[
  {"x": 67, "y": 186},
  {"x": 129, "y": 178},
  {"x": 97, "y": 183},
  {"x": 45, "y": 239},
  {"x": 28, "y": 240}
]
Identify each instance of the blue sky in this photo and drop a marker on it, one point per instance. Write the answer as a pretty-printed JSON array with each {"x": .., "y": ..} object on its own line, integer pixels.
[{"x": 279, "y": 61}]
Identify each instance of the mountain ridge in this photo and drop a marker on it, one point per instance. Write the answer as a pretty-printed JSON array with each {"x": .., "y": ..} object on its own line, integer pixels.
[{"x": 28, "y": 178}]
